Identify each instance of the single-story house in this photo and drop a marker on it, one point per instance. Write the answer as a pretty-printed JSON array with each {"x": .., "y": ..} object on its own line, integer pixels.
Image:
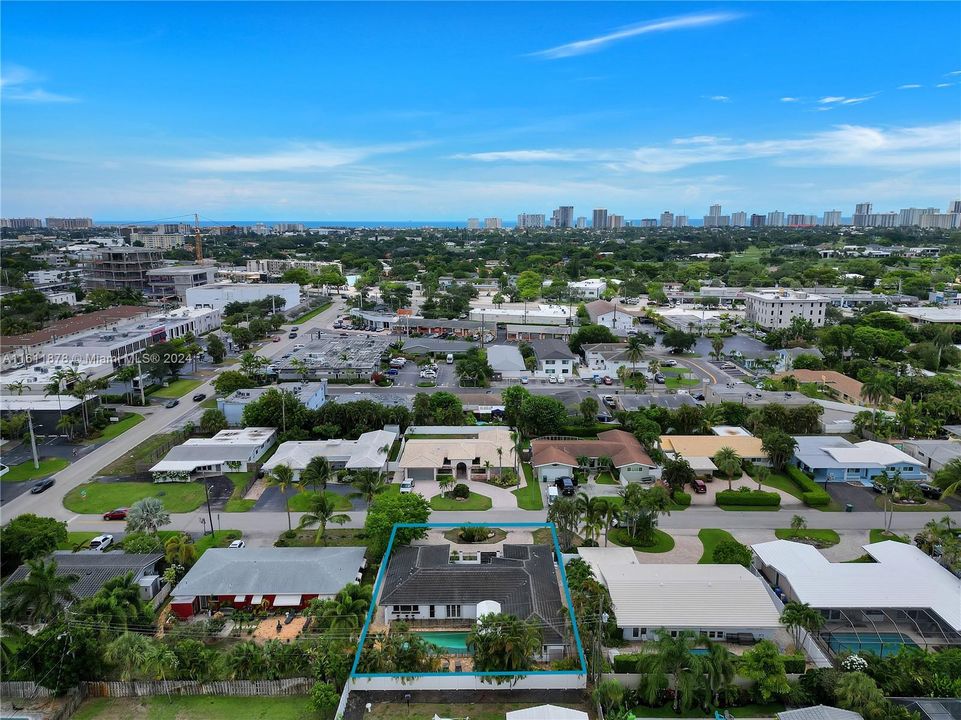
[
  {"x": 554, "y": 357},
  {"x": 469, "y": 452},
  {"x": 278, "y": 578},
  {"x": 311, "y": 394},
  {"x": 93, "y": 569},
  {"x": 934, "y": 454},
  {"x": 830, "y": 458},
  {"x": 227, "y": 451},
  {"x": 368, "y": 452},
  {"x": 834, "y": 383},
  {"x": 719, "y": 602},
  {"x": 699, "y": 449},
  {"x": 819, "y": 712},
  {"x": 426, "y": 586},
  {"x": 547, "y": 712},
  {"x": 591, "y": 289},
  {"x": 608, "y": 314},
  {"x": 787, "y": 356},
  {"x": 552, "y": 459},
  {"x": 505, "y": 360},
  {"x": 904, "y": 596},
  {"x": 607, "y": 358},
  {"x": 483, "y": 404}
]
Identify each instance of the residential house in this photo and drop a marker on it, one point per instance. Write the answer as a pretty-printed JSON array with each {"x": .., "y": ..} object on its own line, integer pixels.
[
  {"x": 699, "y": 450},
  {"x": 819, "y": 712},
  {"x": 552, "y": 459},
  {"x": 554, "y": 357},
  {"x": 934, "y": 454},
  {"x": 428, "y": 586},
  {"x": 368, "y": 452},
  {"x": 608, "y": 314},
  {"x": 785, "y": 357},
  {"x": 832, "y": 382},
  {"x": 506, "y": 360},
  {"x": 227, "y": 451},
  {"x": 717, "y": 602},
  {"x": 311, "y": 394},
  {"x": 608, "y": 358},
  {"x": 547, "y": 712},
  {"x": 277, "y": 579},
  {"x": 472, "y": 452},
  {"x": 834, "y": 459}
]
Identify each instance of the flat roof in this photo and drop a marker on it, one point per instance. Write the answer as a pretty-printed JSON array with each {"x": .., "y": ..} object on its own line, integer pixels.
[
  {"x": 17, "y": 403},
  {"x": 370, "y": 450},
  {"x": 707, "y": 446},
  {"x": 935, "y": 315},
  {"x": 74, "y": 325},
  {"x": 902, "y": 577}
]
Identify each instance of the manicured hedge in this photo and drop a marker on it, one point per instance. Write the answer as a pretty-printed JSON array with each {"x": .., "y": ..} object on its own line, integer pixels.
[
  {"x": 682, "y": 498},
  {"x": 812, "y": 494},
  {"x": 793, "y": 664},
  {"x": 626, "y": 663},
  {"x": 752, "y": 497}
]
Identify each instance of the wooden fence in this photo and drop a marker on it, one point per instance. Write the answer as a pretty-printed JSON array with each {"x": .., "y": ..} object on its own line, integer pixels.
[
  {"x": 223, "y": 688},
  {"x": 23, "y": 690}
]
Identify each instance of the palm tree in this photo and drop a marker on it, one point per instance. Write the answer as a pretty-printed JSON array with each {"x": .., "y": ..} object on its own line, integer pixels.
[
  {"x": 500, "y": 460},
  {"x": 653, "y": 365},
  {"x": 53, "y": 387},
  {"x": 347, "y": 610},
  {"x": 948, "y": 478},
  {"x": 317, "y": 472},
  {"x": 611, "y": 511},
  {"x": 369, "y": 483},
  {"x": 798, "y": 523},
  {"x": 729, "y": 463},
  {"x": 156, "y": 659},
  {"x": 282, "y": 477},
  {"x": 717, "y": 346},
  {"x": 126, "y": 652},
  {"x": 504, "y": 642},
  {"x": 761, "y": 475},
  {"x": 592, "y": 511},
  {"x": 245, "y": 661},
  {"x": 42, "y": 595},
  {"x": 180, "y": 550},
  {"x": 321, "y": 511},
  {"x": 800, "y": 619},
  {"x": 127, "y": 373},
  {"x": 877, "y": 389},
  {"x": 147, "y": 515},
  {"x": 18, "y": 387},
  {"x": 673, "y": 656},
  {"x": 634, "y": 352},
  {"x": 719, "y": 669}
]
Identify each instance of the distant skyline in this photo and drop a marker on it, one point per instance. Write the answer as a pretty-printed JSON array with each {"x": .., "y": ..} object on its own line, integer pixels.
[{"x": 313, "y": 111}]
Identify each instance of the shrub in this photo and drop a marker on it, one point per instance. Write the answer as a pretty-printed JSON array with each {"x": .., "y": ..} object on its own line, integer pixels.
[
  {"x": 793, "y": 664},
  {"x": 626, "y": 663},
  {"x": 744, "y": 496},
  {"x": 461, "y": 491},
  {"x": 139, "y": 543},
  {"x": 682, "y": 498},
  {"x": 812, "y": 494},
  {"x": 731, "y": 552},
  {"x": 473, "y": 534}
]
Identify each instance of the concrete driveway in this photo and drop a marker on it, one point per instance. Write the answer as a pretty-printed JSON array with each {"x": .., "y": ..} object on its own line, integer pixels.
[
  {"x": 501, "y": 499},
  {"x": 717, "y": 485}
]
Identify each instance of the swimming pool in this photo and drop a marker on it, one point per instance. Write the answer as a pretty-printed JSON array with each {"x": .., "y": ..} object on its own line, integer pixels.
[
  {"x": 881, "y": 644},
  {"x": 450, "y": 641}
]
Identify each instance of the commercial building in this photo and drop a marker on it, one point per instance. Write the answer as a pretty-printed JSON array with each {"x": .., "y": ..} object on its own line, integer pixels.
[
  {"x": 121, "y": 268},
  {"x": 534, "y": 314},
  {"x": 277, "y": 579},
  {"x": 538, "y": 332},
  {"x": 775, "y": 310},
  {"x": 51, "y": 279},
  {"x": 219, "y": 295},
  {"x": 172, "y": 282},
  {"x": 311, "y": 394},
  {"x": 554, "y": 357},
  {"x": 901, "y": 598},
  {"x": 60, "y": 297},
  {"x": 717, "y": 602},
  {"x": 275, "y": 267},
  {"x": 923, "y": 315},
  {"x": 368, "y": 452},
  {"x": 629, "y": 463},
  {"x": 227, "y": 451},
  {"x": 45, "y": 410},
  {"x": 334, "y": 356},
  {"x": 69, "y": 223},
  {"x": 473, "y": 452},
  {"x": 834, "y": 459},
  {"x": 590, "y": 289}
]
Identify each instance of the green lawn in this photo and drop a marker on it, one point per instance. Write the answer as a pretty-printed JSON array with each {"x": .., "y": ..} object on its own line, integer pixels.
[
  {"x": 26, "y": 470},
  {"x": 768, "y": 710},
  {"x": 223, "y": 538},
  {"x": 676, "y": 383},
  {"x": 208, "y": 707},
  {"x": 129, "y": 463},
  {"x": 335, "y": 537},
  {"x": 237, "y": 503},
  {"x": 115, "y": 428},
  {"x": 300, "y": 501},
  {"x": 710, "y": 538},
  {"x": 662, "y": 541},
  {"x": 926, "y": 506},
  {"x": 473, "y": 502},
  {"x": 826, "y": 537},
  {"x": 879, "y": 535},
  {"x": 77, "y": 538},
  {"x": 102, "y": 497},
  {"x": 782, "y": 483},
  {"x": 529, "y": 496},
  {"x": 209, "y": 403},
  {"x": 606, "y": 478},
  {"x": 312, "y": 314},
  {"x": 176, "y": 389}
]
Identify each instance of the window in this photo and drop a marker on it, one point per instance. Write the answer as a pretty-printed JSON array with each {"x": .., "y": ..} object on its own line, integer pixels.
[
  {"x": 406, "y": 608},
  {"x": 453, "y": 611},
  {"x": 635, "y": 632}
]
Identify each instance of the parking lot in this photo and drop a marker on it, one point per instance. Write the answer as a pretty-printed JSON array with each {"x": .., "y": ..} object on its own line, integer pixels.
[{"x": 409, "y": 375}]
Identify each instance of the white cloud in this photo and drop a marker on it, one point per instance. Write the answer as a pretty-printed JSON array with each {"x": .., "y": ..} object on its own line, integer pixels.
[
  {"x": 954, "y": 72},
  {"x": 697, "y": 140},
  {"x": 909, "y": 86},
  {"x": 518, "y": 156},
  {"x": 836, "y": 100},
  {"x": 684, "y": 22},
  {"x": 309, "y": 156},
  {"x": 719, "y": 98},
  {"x": 20, "y": 84},
  {"x": 944, "y": 85},
  {"x": 790, "y": 99}
]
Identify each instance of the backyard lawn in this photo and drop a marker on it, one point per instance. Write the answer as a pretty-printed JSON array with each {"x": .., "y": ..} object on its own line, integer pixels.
[
  {"x": 300, "y": 501},
  {"x": 710, "y": 538},
  {"x": 529, "y": 496},
  {"x": 145, "y": 452},
  {"x": 176, "y": 389},
  {"x": 473, "y": 502},
  {"x": 26, "y": 470},
  {"x": 824, "y": 538},
  {"x": 115, "y": 428},
  {"x": 662, "y": 541},
  {"x": 102, "y": 497},
  {"x": 207, "y": 707},
  {"x": 769, "y": 710}
]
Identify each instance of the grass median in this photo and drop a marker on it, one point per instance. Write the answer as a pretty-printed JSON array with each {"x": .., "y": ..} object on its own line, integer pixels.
[
  {"x": 472, "y": 502},
  {"x": 115, "y": 428},
  {"x": 312, "y": 314},
  {"x": 100, "y": 497}
]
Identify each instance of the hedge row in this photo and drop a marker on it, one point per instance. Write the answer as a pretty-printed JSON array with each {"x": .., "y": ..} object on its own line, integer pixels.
[
  {"x": 682, "y": 498},
  {"x": 812, "y": 494},
  {"x": 627, "y": 663},
  {"x": 752, "y": 497},
  {"x": 794, "y": 664}
]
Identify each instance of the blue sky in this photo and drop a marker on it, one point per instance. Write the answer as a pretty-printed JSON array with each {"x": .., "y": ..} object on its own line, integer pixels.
[{"x": 249, "y": 110}]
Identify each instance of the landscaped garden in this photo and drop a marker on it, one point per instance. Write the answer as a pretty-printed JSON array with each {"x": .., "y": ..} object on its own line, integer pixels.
[
  {"x": 710, "y": 538},
  {"x": 101, "y": 497},
  {"x": 662, "y": 542},
  {"x": 474, "y": 501},
  {"x": 818, "y": 538},
  {"x": 473, "y": 534}
]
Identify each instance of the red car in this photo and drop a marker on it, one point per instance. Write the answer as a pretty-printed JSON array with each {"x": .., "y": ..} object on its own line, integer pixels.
[
  {"x": 118, "y": 514},
  {"x": 608, "y": 380},
  {"x": 275, "y": 338}
]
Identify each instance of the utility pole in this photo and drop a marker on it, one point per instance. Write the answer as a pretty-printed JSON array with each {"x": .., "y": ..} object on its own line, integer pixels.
[
  {"x": 143, "y": 400},
  {"x": 198, "y": 248},
  {"x": 33, "y": 441}
]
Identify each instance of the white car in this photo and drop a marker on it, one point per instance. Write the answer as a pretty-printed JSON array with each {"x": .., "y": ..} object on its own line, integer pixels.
[
  {"x": 552, "y": 379},
  {"x": 407, "y": 486},
  {"x": 237, "y": 544},
  {"x": 561, "y": 379},
  {"x": 429, "y": 374},
  {"x": 101, "y": 542},
  {"x": 3, "y": 469}
]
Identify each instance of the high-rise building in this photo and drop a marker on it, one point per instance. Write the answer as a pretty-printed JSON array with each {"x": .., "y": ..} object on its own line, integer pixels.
[
  {"x": 757, "y": 220},
  {"x": 911, "y": 217},
  {"x": 832, "y": 218},
  {"x": 21, "y": 223},
  {"x": 649, "y": 222},
  {"x": 955, "y": 206},
  {"x": 581, "y": 222},
  {"x": 680, "y": 221},
  {"x": 174, "y": 229},
  {"x": 882, "y": 220},
  {"x": 615, "y": 222},
  {"x": 493, "y": 223},
  {"x": 739, "y": 219},
  {"x": 158, "y": 241},
  {"x": 599, "y": 220},
  {"x": 715, "y": 219},
  {"x": 122, "y": 268},
  {"x": 801, "y": 220},
  {"x": 473, "y": 223},
  {"x": 69, "y": 223},
  {"x": 775, "y": 218},
  {"x": 289, "y": 227},
  {"x": 941, "y": 221},
  {"x": 563, "y": 217},
  {"x": 530, "y": 220},
  {"x": 715, "y": 211},
  {"x": 861, "y": 212},
  {"x": 667, "y": 219}
]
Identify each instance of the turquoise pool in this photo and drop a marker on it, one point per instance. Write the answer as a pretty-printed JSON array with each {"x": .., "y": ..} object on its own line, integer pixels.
[
  {"x": 450, "y": 641},
  {"x": 881, "y": 644}
]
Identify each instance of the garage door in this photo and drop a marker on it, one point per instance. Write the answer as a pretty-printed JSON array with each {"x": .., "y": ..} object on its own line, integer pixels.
[
  {"x": 549, "y": 473},
  {"x": 420, "y": 474}
]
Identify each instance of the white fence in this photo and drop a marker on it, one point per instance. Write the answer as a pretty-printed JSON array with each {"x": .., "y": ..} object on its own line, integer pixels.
[{"x": 460, "y": 681}]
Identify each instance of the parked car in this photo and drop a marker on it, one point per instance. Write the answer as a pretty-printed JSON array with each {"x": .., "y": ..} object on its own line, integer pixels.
[
  {"x": 237, "y": 545},
  {"x": 450, "y": 358},
  {"x": 39, "y": 487},
  {"x": 291, "y": 336},
  {"x": 338, "y": 325},
  {"x": 101, "y": 542},
  {"x": 551, "y": 495},
  {"x": 524, "y": 380},
  {"x": 728, "y": 366},
  {"x": 669, "y": 362},
  {"x": 610, "y": 401},
  {"x": 659, "y": 379},
  {"x": 199, "y": 397},
  {"x": 295, "y": 328},
  {"x": 561, "y": 379},
  {"x": 932, "y": 492},
  {"x": 552, "y": 379},
  {"x": 393, "y": 371},
  {"x": 275, "y": 338},
  {"x": 407, "y": 486},
  {"x": 608, "y": 380},
  {"x": 118, "y": 514},
  {"x": 428, "y": 374},
  {"x": 698, "y": 486},
  {"x": 171, "y": 404},
  {"x": 566, "y": 485},
  {"x": 878, "y": 486}
]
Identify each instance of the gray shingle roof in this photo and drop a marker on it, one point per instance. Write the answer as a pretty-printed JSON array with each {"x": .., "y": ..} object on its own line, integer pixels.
[
  {"x": 95, "y": 568},
  {"x": 552, "y": 349},
  {"x": 523, "y": 581}
]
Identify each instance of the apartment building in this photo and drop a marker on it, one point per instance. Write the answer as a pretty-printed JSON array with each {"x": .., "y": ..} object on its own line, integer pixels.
[
  {"x": 172, "y": 282},
  {"x": 122, "y": 268},
  {"x": 158, "y": 241},
  {"x": 776, "y": 309}
]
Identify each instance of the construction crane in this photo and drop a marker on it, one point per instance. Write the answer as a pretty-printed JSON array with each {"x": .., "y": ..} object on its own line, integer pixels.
[{"x": 198, "y": 246}]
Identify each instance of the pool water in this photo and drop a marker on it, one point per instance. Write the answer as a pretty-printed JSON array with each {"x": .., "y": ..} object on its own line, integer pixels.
[
  {"x": 881, "y": 644},
  {"x": 451, "y": 641}
]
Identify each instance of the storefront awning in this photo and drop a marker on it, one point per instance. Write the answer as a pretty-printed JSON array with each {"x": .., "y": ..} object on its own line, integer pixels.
[{"x": 287, "y": 601}]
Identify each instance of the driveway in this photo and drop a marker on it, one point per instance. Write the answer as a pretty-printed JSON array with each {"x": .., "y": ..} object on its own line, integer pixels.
[
  {"x": 860, "y": 497},
  {"x": 272, "y": 500},
  {"x": 501, "y": 499},
  {"x": 718, "y": 484}
]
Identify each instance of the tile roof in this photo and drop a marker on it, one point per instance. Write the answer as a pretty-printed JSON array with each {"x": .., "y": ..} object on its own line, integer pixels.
[
  {"x": 831, "y": 378},
  {"x": 622, "y": 447}
]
